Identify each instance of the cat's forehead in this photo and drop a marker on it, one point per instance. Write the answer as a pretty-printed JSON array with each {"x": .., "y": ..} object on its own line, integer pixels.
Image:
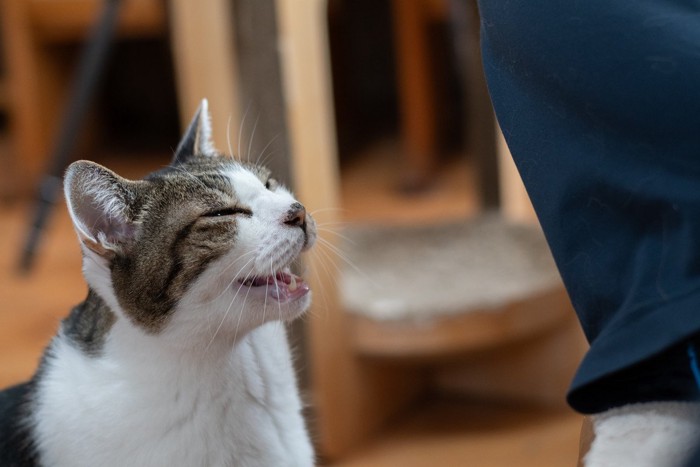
[
  {"x": 245, "y": 181},
  {"x": 217, "y": 173},
  {"x": 262, "y": 172}
]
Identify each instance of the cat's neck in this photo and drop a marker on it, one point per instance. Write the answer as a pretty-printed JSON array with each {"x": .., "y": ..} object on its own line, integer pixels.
[
  {"x": 140, "y": 355},
  {"x": 256, "y": 364}
]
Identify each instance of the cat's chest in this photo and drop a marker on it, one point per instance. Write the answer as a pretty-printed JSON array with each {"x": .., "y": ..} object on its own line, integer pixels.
[{"x": 239, "y": 414}]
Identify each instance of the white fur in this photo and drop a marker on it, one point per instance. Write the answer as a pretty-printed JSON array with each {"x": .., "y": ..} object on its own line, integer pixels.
[
  {"x": 215, "y": 387},
  {"x": 269, "y": 208},
  {"x": 659, "y": 434},
  {"x": 142, "y": 405}
]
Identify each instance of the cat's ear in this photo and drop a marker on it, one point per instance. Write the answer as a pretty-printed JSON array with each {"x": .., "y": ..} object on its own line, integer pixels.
[
  {"x": 197, "y": 137},
  {"x": 100, "y": 202}
]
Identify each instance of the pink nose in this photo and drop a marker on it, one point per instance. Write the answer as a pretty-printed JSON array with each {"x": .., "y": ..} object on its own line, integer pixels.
[{"x": 296, "y": 216}]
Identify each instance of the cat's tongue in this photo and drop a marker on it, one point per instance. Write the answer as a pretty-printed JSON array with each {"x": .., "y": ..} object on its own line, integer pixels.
[{"x": 288, "y": 287}]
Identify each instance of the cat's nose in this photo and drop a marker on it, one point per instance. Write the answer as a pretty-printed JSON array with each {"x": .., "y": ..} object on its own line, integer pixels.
[{"x": 296, "y": 216}]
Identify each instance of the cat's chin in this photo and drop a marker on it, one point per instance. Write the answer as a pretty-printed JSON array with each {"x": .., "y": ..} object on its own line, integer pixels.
[{"x": 298, "y": 307}]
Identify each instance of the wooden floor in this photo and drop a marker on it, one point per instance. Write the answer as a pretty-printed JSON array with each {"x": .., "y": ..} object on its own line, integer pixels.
[
  {"x": 444, "y": 433},
  {"x": 478, "y": 434},
  {"x": 32, "y": 305}
]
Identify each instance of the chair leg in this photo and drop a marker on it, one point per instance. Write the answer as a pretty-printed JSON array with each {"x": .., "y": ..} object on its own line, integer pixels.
[{"x": 416, "y": 92}]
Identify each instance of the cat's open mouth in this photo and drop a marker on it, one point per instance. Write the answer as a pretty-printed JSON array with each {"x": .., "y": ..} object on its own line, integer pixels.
[{"x": 283, "y": 286}]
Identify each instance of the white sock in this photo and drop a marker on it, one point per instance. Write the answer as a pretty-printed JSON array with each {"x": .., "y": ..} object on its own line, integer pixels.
[{"x": 655, "y": 434}]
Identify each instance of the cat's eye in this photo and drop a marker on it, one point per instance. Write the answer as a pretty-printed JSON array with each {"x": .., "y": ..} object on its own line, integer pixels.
[
  {"x": 271, "y": 184},
  {"x": 228, "y": 212}
]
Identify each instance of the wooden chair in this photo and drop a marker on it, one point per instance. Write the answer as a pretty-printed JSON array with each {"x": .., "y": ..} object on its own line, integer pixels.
[{"x": 356, "y": 382}]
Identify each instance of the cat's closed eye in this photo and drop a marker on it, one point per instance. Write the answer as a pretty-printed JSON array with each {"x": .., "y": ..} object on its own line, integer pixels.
[{"x": 232, "y": 211}]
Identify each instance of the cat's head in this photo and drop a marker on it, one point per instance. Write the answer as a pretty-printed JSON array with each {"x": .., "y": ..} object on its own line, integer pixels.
[{"x": 203, "y": 246}]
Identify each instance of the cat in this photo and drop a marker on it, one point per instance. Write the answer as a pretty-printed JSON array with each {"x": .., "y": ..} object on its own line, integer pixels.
[{"x": 178, "y": 356}]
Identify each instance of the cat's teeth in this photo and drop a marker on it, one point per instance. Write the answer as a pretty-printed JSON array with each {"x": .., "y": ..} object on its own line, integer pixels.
[{"x": 293, "y": 283}]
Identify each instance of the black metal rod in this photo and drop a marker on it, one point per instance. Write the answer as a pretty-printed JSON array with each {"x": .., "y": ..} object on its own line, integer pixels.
[{"x": 90, "y": 69}]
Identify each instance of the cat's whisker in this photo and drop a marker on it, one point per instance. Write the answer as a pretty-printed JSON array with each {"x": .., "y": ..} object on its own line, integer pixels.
[
  {"x": 258, "y": 160},
  {"x": 240, "y": 130},
  {"x": 279, "y": 305},
  {"x": 228, "y": 136},
  {"x": 228, "y": 309},
  {"x": 235, "y": 276},
  {"x": 236, "y": 261},
  {"x": 252, "y": 137},
  {"x": 337, "y": 234},
  {"x": 326, "y": 209},
  {"x": 335, "y": 224},
  {"x": 332, "y": 226},
  {"x": 334, "y": 248},
  {"x": 322, "y": 259},
  {"x": 323, "y": 293},
  {"x": 223, "y": 319},
  {"x": 327, "y": 248},
  {"x": 266, "y": 156},
  {"x": 340, "y": 254},
  {"x": 238, "y": 323},
  {"x": 266, "y": 159},
  {"x": 240, "y": 315},
  {"x": 320, "y": 293},
  {"x": 325, "y": 259},
  {"x": 267, "y": 286}
]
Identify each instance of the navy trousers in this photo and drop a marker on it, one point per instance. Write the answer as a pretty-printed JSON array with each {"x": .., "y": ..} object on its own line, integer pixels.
[{"x": 599, "y": 101}]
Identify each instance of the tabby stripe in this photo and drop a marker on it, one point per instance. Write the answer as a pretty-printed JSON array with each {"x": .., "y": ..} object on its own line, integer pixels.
[{"x": 179, "y": 279}]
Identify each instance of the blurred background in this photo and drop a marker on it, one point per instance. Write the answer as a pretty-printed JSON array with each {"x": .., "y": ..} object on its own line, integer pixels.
[{"x": 440, "y": 333}]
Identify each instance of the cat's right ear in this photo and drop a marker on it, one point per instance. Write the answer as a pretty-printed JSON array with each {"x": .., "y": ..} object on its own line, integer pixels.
[
  {"x": 100, "y": 203},
  {"x": 197, "y": 137}
]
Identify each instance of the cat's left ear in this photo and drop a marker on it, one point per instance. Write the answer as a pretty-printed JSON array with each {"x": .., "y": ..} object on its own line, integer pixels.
[
  {"x": 197, "y": 137},
  {"x": 101, "y": 204}
]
